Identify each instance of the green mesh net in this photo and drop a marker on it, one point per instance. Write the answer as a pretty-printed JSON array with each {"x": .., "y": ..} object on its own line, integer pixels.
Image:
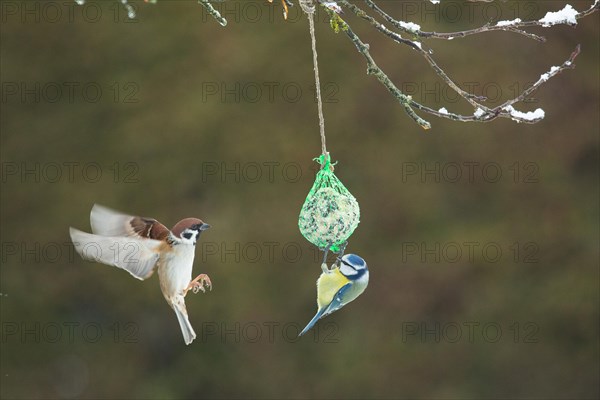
[{"x": 330, "y": 213}]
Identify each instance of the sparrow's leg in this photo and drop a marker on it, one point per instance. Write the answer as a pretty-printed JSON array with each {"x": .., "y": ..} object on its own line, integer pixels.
[
  {"x": 198, "y": 284},
  {"x": 285, "y": 4}
]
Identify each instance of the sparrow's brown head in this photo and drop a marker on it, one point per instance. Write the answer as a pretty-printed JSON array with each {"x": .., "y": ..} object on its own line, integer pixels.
[{"x": 189, "y": 229}]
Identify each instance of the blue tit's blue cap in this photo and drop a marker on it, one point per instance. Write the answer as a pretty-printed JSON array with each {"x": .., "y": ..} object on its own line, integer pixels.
[{"x": 354, "y": 260}]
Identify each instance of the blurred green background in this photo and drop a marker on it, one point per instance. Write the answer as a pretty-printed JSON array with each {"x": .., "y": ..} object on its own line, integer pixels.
[{"x": 181, "y": 117}]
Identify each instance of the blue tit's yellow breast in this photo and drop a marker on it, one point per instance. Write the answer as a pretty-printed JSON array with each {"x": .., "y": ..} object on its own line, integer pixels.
[{"x": 328, "y": 285}]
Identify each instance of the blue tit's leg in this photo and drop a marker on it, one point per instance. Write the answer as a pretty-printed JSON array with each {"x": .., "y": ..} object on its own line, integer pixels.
[
  {"x": 324, "y": 266},
  {"x": 325, "y": 257},
  {"x": 325, "y": 253},
  {"x": 341, "y": 253}
]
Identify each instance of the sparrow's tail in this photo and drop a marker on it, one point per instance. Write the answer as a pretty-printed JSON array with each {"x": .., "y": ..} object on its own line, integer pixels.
[
  {"x": 313, "y": 321},
  {"x": 186, "y": 328}
]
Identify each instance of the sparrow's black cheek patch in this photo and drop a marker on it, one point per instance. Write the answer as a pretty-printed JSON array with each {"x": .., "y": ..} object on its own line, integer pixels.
[{"x": 187, "y": 235}]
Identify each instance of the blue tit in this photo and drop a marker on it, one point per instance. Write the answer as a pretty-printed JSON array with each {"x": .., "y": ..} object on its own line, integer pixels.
[{"x": 338, "y": 286}]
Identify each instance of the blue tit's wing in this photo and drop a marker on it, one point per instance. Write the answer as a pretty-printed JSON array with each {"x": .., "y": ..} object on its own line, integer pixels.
[
  {"x": 328, "y": 286},
  {"x": 335, "y": 304},
  {"x": 313, "y": 321},
  {"x": 338, "y": 300}
]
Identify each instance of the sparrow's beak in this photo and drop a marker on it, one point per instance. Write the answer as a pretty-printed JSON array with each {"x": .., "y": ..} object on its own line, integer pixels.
[{"x": 204, "y": 227}]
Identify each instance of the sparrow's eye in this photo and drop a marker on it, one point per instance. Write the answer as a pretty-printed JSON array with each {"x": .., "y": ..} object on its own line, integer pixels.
[{"x": 187, "y": 235}]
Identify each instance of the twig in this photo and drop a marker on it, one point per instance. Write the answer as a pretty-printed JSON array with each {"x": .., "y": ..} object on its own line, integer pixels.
[
  {"x": 509, "y": 26},
  {"x": 481, "y": 114},
  {"x": 416, "y": 46},
  {"x": 213, "y": 12},
  {"x": 506, "y": 110},
  {"x": 373, "y": 69}
]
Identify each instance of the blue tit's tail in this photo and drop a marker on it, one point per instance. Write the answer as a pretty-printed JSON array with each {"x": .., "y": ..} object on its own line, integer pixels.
[{"x": 313, "y": 321}]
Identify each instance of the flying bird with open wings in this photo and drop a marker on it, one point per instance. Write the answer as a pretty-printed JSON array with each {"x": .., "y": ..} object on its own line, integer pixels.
[{"x": 139, "y": 245}]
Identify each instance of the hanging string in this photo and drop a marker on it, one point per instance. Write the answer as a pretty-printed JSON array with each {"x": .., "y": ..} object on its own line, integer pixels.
[{"x": 309, "y": 9}]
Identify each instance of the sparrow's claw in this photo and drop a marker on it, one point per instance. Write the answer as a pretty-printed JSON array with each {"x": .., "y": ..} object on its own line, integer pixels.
[
  {"x": 200, "y": 283},
  {"x": 198, "y": 287}
]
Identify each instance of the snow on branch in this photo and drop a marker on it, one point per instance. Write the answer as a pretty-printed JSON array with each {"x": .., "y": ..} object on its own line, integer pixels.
[
  {"x": 568, "y": 15},
  {"x": 414, "y": 37}
]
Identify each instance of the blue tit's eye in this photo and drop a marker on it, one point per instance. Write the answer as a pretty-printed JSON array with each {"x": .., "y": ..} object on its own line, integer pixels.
[{"x": 187, "y": 235}]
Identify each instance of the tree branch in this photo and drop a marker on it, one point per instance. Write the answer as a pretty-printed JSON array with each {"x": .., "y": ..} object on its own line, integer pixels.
[
  {"x": 567, "y": 15},
  {"x": 509, "y": 26},
  {"x": 481, "y": 112}
]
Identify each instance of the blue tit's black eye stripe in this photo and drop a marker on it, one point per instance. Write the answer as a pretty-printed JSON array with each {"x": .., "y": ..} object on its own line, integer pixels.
[{"x": 348, "y": 264}]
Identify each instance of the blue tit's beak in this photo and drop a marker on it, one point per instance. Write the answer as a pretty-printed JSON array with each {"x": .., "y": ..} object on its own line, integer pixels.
[{"x": 204, "y": 227}]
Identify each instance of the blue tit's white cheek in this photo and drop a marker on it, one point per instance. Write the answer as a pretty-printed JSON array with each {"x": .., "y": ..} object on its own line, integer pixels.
[{"x": 348, "y": 271}]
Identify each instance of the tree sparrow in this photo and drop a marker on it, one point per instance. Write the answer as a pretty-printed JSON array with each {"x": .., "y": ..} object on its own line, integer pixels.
[{"x": 138, "y": 244}]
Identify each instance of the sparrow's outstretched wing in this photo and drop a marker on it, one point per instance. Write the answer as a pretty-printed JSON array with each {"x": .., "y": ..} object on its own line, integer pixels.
[
  {"x": 107, "y": 222},
  {"x": 134, "y": 255}
]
